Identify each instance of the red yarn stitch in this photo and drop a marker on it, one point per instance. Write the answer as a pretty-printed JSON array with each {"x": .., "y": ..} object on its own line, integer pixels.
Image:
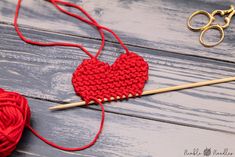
[{"x": 96, "y": 79}]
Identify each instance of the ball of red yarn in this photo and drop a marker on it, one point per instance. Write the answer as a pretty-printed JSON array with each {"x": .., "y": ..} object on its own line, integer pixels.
[{"x": 14, "y": 116}]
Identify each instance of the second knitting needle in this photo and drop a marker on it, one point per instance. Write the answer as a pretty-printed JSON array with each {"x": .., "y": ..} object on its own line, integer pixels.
[{"x": 155, "y": 91}]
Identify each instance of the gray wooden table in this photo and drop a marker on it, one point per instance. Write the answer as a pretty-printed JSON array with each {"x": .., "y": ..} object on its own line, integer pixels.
[{"x": 170, "y": 125}]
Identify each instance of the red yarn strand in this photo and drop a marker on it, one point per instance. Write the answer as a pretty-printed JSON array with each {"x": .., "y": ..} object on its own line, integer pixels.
[
  {"x": 79, "y": 148},
  {"x": 43, "y": 43},
  {"x": 82, "y": 19},
  {"x": 91, "y": 22},
  {"x": 86, "y": 21}
]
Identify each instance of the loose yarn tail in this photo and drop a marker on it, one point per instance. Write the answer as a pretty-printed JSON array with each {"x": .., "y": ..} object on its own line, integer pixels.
[
  {"x": 94, "y": 23},
  {"x": 89, "y": 21},
  {"x": 91, "y": 143}
]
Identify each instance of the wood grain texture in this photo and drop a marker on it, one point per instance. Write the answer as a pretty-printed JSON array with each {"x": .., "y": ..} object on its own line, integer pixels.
[
  {"x": 122, "y": 136},
  {"x": 45, "y": 73},
  {"x": 159, "y": 25}
]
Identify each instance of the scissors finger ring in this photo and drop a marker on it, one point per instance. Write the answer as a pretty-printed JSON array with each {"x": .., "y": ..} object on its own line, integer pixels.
[
  {"x": 217, "y": 27},
  {"x": 200, "y": 28}
]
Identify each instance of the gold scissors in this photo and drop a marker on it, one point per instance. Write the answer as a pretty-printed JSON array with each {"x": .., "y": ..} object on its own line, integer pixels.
[{"x": 230, "y": 12}]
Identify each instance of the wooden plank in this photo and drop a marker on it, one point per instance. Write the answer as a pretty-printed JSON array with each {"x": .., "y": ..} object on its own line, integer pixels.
[
  {"x": 122, "y": 135},
  {"x": 45, "y": 73},
  {"x": 158, "y": 24}
]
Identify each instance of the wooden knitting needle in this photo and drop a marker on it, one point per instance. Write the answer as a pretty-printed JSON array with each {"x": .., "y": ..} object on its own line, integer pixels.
[{"x": 155, "y": 91}]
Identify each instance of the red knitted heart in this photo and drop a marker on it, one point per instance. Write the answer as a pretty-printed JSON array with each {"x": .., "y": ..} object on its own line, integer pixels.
[
  {"x": 14, "y": 116},
  {"x": 94, "y": 79}
]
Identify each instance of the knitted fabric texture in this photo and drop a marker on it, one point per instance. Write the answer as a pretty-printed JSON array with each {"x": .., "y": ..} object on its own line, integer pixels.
[
  {"x": 14, "y": 116},
  {"x": 94, "y": 79}
]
